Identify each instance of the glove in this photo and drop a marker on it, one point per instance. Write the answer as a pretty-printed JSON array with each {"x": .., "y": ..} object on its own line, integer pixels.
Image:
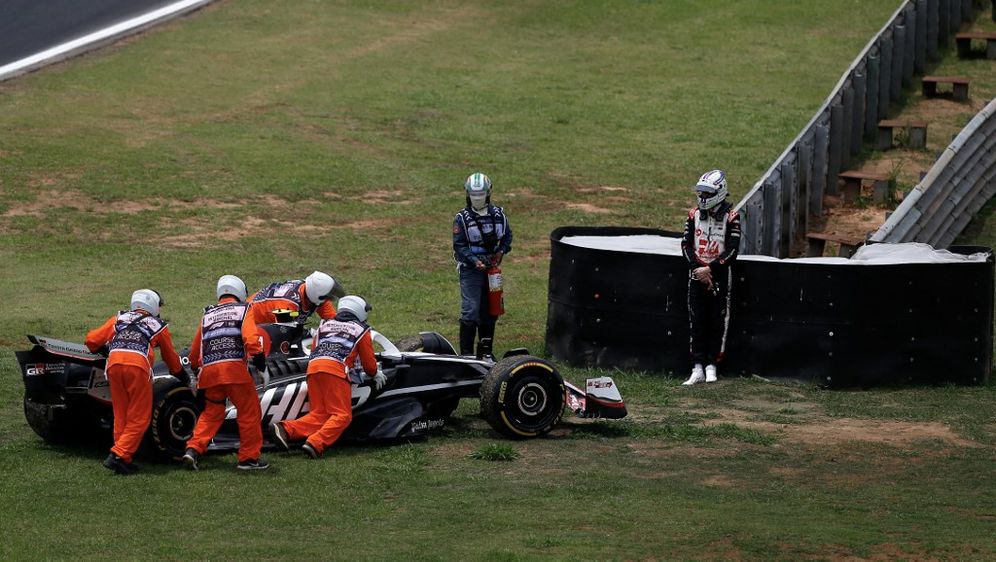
[
  {"x": 264, "y": 375},
  {"x": 497, "y": 259},
  {"x": 103, "y": 351},
  {"x": 380, "y": 379}
]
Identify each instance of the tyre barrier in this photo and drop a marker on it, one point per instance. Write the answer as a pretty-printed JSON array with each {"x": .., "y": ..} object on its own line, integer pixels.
[{"x": 828, "y": 321}]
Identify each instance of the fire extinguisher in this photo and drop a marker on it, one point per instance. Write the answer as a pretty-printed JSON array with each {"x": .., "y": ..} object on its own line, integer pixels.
[{"x": 496, "y": 301}]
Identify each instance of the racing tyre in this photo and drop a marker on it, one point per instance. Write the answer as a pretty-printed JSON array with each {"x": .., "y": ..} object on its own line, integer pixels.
[
  {"x": 428, "y": 342},
  {"x": 173, "y": 419},
  {"x": 522, "y": 397}
]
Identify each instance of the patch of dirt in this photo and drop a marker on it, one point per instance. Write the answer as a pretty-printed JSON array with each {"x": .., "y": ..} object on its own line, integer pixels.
[
  {"x": 386, "y": 196},
  {"x": 719, "y": 481},
  {"x": 49, "y": 200},
  {"x": 589, "y": 208},
  {"x": 825, "y": 431},
  {"x": 848, "y": 221}
]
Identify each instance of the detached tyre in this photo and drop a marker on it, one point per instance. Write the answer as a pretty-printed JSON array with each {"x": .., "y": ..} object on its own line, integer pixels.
[{"x": 522, "y": 397}]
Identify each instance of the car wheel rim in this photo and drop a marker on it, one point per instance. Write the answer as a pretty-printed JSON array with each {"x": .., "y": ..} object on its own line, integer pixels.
[
  {"x": 181, "y": 423},
  {"x": 532, "y": 399}
]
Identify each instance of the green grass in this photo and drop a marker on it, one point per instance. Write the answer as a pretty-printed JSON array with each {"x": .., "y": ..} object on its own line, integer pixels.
[{"x": 268, "y": 139}]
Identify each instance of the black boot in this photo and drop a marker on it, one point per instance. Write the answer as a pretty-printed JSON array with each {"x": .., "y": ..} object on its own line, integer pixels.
[
  {"x": 467, "y": 334},
  {"x": 486, "y": 344}
]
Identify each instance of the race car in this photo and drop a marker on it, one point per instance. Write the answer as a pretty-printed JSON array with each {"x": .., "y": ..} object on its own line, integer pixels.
[{"x": 67, "y": 397}]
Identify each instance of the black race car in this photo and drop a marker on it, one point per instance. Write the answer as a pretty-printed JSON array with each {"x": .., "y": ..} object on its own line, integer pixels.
[{"x": 66, "y": 395}]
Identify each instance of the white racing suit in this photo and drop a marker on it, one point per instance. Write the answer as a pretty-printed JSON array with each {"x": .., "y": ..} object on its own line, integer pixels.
[{"x": 712, "y": 238}]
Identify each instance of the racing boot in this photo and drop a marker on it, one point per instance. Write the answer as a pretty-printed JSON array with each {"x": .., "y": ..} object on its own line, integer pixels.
[
  {"x": 698, "y": 375},
  {"x": 467, "y": 333},
  {"x": 710, "y": 373},
  {"x": 485, "y": 346}
]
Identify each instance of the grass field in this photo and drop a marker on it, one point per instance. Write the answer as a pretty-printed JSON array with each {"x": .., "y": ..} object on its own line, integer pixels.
[{"x": 271, "y": 138}]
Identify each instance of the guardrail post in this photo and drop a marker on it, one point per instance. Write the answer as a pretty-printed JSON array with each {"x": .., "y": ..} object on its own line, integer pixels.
[
  {"x": 847, "y": 101},
  {"x": 858, "y": 113},
  {"x": 805, "y": 184},
  {"x": 933, "y": 28},
  {"x": 871, "y": 96},
  {"x": 755, "y": 217},
  {"x": 834, "y": 149},
  {"x": 885, "y": 76},
  {"x": 898, "y": 46},
  {"x": 821, "y": 140},
  {"x": 954, "y": 18},
  {"x": 790, "y": 191},
  {"x": 772, "y": 218},
  {"x": 943, "y": 22},
  {"x": 920, "y": 49},
  {"x": 909, "y": 50}
]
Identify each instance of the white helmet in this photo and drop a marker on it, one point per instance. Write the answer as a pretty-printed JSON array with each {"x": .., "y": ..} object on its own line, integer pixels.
[
  {"x": 356, "y": 305},
  {"x": 319, "y": 287},
  {"x": 232, "y": 285},
  {"x": 711, "y": 189},
  {"x": 147, "y": 300},
  {"x": 478, "y": 188}
]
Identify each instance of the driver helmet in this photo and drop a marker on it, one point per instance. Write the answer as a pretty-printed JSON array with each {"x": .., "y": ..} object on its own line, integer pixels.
[
  {"x": 319, "y": 287},
  {"x": 478, "y": 187},
  {"x": 711, "y": 189},
  {"x": 355, "y": 305},
  {"x": 147, "y": 300},
  {"x": 232, "y": 285}
]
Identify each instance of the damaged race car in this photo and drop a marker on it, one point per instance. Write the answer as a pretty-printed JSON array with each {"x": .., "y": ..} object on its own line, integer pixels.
[{"x": 67, "y": 397}]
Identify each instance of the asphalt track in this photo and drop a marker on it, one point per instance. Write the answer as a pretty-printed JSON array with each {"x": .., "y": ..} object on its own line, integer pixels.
[{"x": 31, "y": 26}]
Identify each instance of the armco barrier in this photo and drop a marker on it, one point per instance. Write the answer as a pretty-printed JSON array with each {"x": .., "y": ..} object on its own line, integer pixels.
[
  {"x": 777, "y": 209},
  {"x": 843, "y": 325},
  {"x": 961, "y": 181}
]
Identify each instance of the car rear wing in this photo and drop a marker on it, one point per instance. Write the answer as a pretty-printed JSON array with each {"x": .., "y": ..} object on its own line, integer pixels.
[
  {"x": 600, "y": 399},
  {"x": 75, "y": 352}
]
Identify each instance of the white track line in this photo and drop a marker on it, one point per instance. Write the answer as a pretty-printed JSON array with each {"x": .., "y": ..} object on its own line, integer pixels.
[{"x": 99, "y": 38}]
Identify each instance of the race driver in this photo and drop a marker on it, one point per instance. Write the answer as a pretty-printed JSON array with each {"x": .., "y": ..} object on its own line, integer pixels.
[{"x": 710, "y": 244}]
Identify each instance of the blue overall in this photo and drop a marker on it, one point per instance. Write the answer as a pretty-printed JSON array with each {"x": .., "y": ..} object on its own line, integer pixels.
[{"x": 478, "y": 237}]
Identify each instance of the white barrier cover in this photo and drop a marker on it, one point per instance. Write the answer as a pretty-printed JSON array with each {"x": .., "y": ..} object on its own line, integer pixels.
[{"x": 874, "y": 254}]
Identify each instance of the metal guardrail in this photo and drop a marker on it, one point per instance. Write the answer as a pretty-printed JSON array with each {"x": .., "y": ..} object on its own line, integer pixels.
[
  {"x": 778, "y": 208},
  {"x": 959, "y": 183}
]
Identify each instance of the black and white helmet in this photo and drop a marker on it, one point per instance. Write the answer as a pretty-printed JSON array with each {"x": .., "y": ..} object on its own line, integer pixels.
[
  {"x": 711, "y": 189},
  {"x": 478, "y": 187}
]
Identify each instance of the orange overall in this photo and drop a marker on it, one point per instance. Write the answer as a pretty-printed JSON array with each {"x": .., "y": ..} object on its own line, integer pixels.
[
  {"x": 225, "y": 374},
  {"x": 263, "y": 307},
  {"x": 329, "y": 391},
  {"x": 129, "y": 374}
]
